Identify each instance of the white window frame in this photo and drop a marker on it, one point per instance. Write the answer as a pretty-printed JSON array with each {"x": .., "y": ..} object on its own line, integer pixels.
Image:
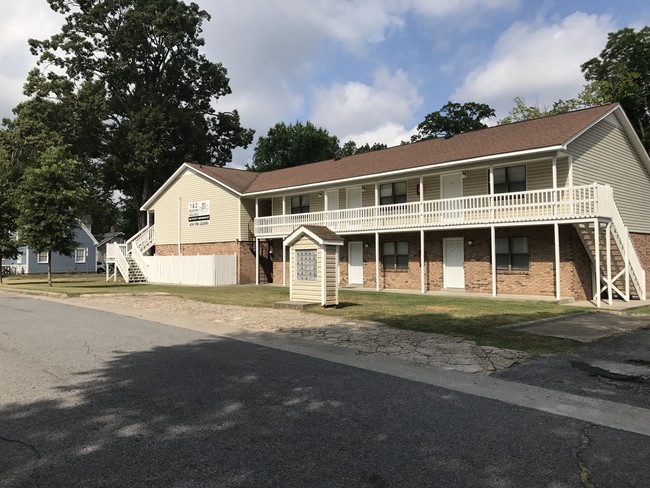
[
  {"x": 83, "y": 254},
  {"x": 42, "y": 258}
]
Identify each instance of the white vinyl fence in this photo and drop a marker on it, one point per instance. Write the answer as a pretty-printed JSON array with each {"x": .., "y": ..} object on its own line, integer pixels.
[{"x": 192, "y": 270}]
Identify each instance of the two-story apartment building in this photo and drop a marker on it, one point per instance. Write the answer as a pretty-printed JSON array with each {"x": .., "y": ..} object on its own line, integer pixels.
[{"x": 556, "y": 206}]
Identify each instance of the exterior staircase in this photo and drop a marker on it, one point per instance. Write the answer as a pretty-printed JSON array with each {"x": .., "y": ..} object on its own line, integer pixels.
[
  {"x": 617, "y": 270},
  {"x": 127, "y": 258}
]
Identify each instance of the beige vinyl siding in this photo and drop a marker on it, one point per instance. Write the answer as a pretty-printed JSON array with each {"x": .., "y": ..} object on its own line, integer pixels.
[
  {"x": 605, "y": 155},
  {"x": 316, "y": 202},
  {"x": 247, "y": 215},
  {"x": 330, "y": 297},
  {"x": 475, "y": 183},
  {"x": 306, "y": 291},
  {"x": 368, "y": 196},
  {"x": 432, "y": 187},
  {"x": 277, "y": 206},
  {"x": 191, "y": 187}
]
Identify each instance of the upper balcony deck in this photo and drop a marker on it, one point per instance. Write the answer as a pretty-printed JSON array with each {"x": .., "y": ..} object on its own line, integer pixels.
[{"x": 579, "y": 202}]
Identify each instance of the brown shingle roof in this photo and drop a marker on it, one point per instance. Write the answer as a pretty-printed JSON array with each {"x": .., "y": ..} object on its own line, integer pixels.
[
  {"x": 521, "y": 136},
  {"x": 236, "y": 179},
  {"x": 323, "y": 232}
]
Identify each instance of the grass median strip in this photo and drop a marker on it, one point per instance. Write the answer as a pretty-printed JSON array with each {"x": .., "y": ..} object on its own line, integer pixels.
[{"x": 475, "y": 319}]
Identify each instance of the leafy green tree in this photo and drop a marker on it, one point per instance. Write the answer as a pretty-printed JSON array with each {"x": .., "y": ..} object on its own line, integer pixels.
[
  {"x": 8, "y": 211},
  {"x": 622, "y": 73},
  {"x": 290, "y": 145},
  {"x": 453, "y": 118},
  {"x": 522, "y": 111},
  {"x": 350, "y": 148},
  {"x": 143, "y": 59},
  {"x": 49, "y": 203}
]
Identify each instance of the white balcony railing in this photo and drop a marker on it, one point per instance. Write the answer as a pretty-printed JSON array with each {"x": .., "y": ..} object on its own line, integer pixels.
[{"x": 578, "y": 202}]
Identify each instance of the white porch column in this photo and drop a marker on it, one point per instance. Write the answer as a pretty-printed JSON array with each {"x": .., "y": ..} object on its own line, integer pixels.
[
  {"x": 627, "y": 268},
  {"x": 257, "y": 261},
  {"x": 608, "y": 247},
  {"x": 377, "y": 259},
  {"x": 422, "y": 261},
  {"x": 493, "y": 251},
  {"x": 597, "y": 260},
  {"x": 570, "y": 176},
  {"x": 554, "y": 170},
  {"x": 284, "y": 205},
  {"x": 376, "y": 194},
  {"x": 556, "y": 230}
]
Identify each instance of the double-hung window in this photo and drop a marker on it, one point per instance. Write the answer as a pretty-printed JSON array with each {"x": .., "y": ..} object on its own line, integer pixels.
[
  {"x": 300, "y": 204},
  {"x": 42, "y": 258},
  {"x": 395, "y": 255},
  {"x": 390, "y": 193},
  {"x": 512, "y": 253},
  {"x": 510, "y": 179},
  {"x": 80, "y": 255}
]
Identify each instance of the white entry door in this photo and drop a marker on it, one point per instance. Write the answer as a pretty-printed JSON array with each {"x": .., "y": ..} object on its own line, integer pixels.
[
  {"x": 355, "y": 263},
  {"x": 453, "y": 262},
  {"x": 332, "y": 199},
  {"x": 452, "y": 187},
  {"x": 354, "y": 197}
]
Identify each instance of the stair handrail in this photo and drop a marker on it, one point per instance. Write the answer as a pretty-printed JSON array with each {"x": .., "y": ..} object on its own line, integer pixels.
[
  {"x": 120, "y": 259},
  {"x": 622, "y": 237},
  {"x": 139, "y": 260},
  {"x": 145, "y": 235}
]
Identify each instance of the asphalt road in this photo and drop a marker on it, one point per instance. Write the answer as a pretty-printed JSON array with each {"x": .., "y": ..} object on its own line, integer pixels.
[{"x": 93, "y": 399}]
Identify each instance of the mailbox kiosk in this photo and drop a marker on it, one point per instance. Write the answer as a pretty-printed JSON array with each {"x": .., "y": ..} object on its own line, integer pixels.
[{"x": 314, "y": 265}]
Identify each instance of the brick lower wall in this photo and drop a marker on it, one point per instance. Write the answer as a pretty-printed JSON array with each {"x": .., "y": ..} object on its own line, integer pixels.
[
  {"x": 641, "y": 243},
  {"x": 539, "y": 279}
]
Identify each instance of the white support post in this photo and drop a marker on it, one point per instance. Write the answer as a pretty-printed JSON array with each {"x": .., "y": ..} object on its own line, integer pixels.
[
  {"x": 597, "y": 261},
  {"x": 627, "y": 267},
  {"x": 570, "y": 176},
  {"x": 493, "y": 252},
  {"x": 554, "y": 172},
  {"x": 284, "y": 205},
  {"x": 257, "y": 261},
  {"x": 422, "y": 261},
  {"x": 377, "y": 260},
  {"x": 376, "y": 194},
  {"x": 556, "y": 229},
  {"x": 608, "y": 247},
  {"x": 491, "y": 184}
]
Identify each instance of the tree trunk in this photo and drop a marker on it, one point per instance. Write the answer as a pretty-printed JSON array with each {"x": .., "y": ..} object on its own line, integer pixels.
[{"x": 49, "y": 268}]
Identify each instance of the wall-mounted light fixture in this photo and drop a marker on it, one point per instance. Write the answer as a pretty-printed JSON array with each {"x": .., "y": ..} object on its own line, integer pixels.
[
  {"x": 320, "y": 194},
  {"x": 363, "y": 188},
  {"x": 464, "y": 174},
  {"x": 470, "y": 242},
  {"x": 366, "y": 245}
]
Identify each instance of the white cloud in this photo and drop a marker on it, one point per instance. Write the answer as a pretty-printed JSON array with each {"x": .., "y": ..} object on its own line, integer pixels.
[
  {"x": 538, "y": 62},
  {"x": 19, "y": 22},
  {"x": 355, "y": 108},
  {"x": 388, "y": 133}
]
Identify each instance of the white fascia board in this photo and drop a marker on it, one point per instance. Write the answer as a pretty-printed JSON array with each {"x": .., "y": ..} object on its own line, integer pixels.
[
  {"x": 416, "y": 169},
  {"x": 184, "y": 167},
  {"x": 87, "y": 231}
]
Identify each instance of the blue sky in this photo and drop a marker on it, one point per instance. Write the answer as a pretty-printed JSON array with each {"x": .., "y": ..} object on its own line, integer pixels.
[{"x": 370, "y": 70}]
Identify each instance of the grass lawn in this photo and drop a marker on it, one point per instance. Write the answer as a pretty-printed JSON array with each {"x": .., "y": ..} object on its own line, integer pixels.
[{"x": 469, "y": 318}]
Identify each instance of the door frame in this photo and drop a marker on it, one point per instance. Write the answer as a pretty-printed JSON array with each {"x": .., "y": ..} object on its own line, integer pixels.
[
  {"x": 444, "y": 261},
  {"x": 350, "y": 264}
]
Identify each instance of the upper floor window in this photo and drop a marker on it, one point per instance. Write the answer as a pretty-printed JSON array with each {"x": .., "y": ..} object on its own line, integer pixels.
[
  {"x": 395, "y": 255},
  {"x": 512, "y": 253},
  {"x": 42, "y": 258},
  {"x": 392, "y": 193},
  {"x": 80, "y": 255},
  {"x": 300, "y": 204},
  {"x": 509, "y": 179}
]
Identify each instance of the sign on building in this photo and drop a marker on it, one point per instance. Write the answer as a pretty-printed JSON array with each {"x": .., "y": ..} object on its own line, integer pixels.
[{"x": 198, "y": 213}]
